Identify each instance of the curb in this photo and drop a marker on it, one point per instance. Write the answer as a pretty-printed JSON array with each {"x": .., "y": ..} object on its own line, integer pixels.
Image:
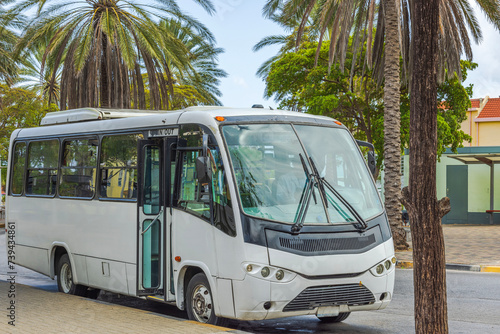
[{"x": 453, "y": 266}]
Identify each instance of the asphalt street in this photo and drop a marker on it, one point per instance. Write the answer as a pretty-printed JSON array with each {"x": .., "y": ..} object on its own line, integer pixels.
[{"x": 473, "y": 305}]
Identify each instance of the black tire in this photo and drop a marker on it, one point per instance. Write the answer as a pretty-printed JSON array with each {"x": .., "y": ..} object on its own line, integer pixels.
[
  {"x": 338, "y": 318},
  {"x": 65, "y": 278},
  {"x": 199, "y": 302}
]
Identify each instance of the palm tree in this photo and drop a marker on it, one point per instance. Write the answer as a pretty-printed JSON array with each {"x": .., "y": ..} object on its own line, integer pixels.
[
  {"x": 102, "y": 46},
  {"x": 8, "y": 39},
  {"x": 35, "y": 77},
  {"x": 200, "y": 72},
  {"x": 420, "y": 196}
]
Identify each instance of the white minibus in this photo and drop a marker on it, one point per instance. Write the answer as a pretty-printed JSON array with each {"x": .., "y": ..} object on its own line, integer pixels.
[{"x": 245, "y": 214}]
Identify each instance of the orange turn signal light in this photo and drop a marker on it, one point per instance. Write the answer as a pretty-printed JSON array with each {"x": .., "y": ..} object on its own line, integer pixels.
[
  {"x": 338, "y": 123},
  {"x": 220, "y": 118},
  {"x": 177, "y": 259}
]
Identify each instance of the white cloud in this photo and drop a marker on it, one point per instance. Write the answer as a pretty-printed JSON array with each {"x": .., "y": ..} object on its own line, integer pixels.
[
  {"x": 486, "y": 77},
  {"x": 240, "y": 81}
]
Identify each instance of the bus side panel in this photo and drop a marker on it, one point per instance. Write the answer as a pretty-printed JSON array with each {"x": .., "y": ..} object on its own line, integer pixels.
[
  {"x": 33, "y": 258},
  {"x": 105, "y": 231},
  {"x": 108, "y": 275},
  {"x": 131, "y": 278}
]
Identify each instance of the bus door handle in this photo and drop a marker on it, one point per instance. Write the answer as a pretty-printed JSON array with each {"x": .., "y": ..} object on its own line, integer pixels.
[{"x": 154, "y": 221}]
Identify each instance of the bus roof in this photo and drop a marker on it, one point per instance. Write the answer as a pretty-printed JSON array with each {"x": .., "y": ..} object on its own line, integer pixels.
[{"x": 92, "y": 120}]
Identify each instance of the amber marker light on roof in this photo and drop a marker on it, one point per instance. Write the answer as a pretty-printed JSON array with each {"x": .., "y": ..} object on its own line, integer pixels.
[
  {"x": 338, "y": 123},
  {"x": 220, "y": 118}
]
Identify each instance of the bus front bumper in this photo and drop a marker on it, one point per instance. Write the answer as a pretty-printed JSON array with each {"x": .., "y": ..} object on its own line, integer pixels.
[{"x": 258, "y": 299}]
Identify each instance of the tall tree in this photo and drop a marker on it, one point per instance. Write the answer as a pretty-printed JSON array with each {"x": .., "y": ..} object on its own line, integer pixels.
[
  {"x": 102, "y": 46},
  {"x": 420, "y": 197}
]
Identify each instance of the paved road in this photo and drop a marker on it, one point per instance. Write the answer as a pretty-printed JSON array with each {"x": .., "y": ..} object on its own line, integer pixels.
[{"x": 473, "y": 298}]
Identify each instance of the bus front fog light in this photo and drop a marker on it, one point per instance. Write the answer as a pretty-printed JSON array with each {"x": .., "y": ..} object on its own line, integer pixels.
[
  {"x": 265, "y": 272},
  {"x": 387, "y": 264},
  {"x": 380, "y": 269},
  {"x": 280, "y": 274},
  {"x": 249, "y": 268}
]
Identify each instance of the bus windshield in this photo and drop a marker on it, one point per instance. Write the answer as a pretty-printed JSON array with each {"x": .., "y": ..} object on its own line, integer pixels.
[{"x": 281, "y": 171}]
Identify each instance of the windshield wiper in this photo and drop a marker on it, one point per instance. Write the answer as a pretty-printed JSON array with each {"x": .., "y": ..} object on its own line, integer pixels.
[
  {"x": 313, "y": 179},
  {"x": 360, "y": 223},
  {"x": 305, "y": 198}
]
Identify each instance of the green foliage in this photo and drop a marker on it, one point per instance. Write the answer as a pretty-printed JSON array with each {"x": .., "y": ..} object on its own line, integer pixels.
[
  {"x": 19, "y": 108},
  {"x": 297, "y": 84},
  {"x": 453, "y": 101}
]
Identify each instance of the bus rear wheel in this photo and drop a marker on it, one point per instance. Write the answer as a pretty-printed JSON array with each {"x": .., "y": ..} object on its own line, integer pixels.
[
  {"x": 199, "y": 302},
  {"x": 65, "y": 278},
  {"x": 338, "y": 318}
]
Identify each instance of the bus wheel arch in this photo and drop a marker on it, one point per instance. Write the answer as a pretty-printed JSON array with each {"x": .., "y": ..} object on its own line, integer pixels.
[
  {"x": 185, "y": 275},
  {"x": 57, "y": 251},
  {"x": 200, "y": 301},
  {"x": 65, "y": 281}
]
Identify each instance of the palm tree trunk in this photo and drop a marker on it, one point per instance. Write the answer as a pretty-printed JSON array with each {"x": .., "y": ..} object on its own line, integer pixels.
[
  {"x": 392, "y": 136},
  {"x": 103, "y": 75},
  {"x": 420, "y": 196}
]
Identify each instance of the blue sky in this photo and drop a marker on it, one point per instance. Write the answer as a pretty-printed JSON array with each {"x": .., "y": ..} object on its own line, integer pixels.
[{"x": 238, "y": 25}]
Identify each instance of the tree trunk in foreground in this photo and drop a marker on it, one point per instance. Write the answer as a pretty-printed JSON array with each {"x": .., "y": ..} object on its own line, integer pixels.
[
  {"x": 392, "y": 133},
  {"x": 420, "y": 197}
]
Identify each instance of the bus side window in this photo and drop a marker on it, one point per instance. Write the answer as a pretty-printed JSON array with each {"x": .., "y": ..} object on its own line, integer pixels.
[
  {"x": 78, "y": 168},
  {"x": 43, "y": 159},
  {"x": 193, "y": 196},
  {"x": 118, "y": 166},
  {"x": 19, "y": 162}
]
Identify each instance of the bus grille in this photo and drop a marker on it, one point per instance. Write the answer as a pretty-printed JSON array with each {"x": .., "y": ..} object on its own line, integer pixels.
[
  {"x": 330, "y": 244},
  {"x": 331, "y": 295}
]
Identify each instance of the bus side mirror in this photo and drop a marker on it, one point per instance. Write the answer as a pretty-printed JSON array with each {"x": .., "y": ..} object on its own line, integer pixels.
[
  {"x": 371, "y": 162},
  {"x": 202, "y": 163},
  {"x": 372, "y": 165},
  {"x": 202, "y": 170}
]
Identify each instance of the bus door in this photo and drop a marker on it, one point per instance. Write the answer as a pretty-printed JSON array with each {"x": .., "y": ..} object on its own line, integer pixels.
[{"x": 152, "y": 230}]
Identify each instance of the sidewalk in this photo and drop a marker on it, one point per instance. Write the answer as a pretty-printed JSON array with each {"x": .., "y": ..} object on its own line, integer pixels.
[
  {"x": 38, "y": 311},
  {"x": 467, "y": 247}
]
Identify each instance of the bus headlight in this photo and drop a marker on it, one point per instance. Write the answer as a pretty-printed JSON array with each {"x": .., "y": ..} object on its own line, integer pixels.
[
  {"x": 383, "y": 268},
  {"x": 269, "y": 273},
  {"x": 279, "y": 275}
]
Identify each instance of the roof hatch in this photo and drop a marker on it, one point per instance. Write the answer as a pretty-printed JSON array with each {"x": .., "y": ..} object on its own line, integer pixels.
[{"x": 93, "y": 114}]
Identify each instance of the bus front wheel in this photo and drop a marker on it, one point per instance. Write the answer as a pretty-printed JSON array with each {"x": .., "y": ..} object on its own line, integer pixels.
[
  {"x": 199, "y": 302},
  {"x": 65, "y": 278},
  {"x": 338, "y": 318}
]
